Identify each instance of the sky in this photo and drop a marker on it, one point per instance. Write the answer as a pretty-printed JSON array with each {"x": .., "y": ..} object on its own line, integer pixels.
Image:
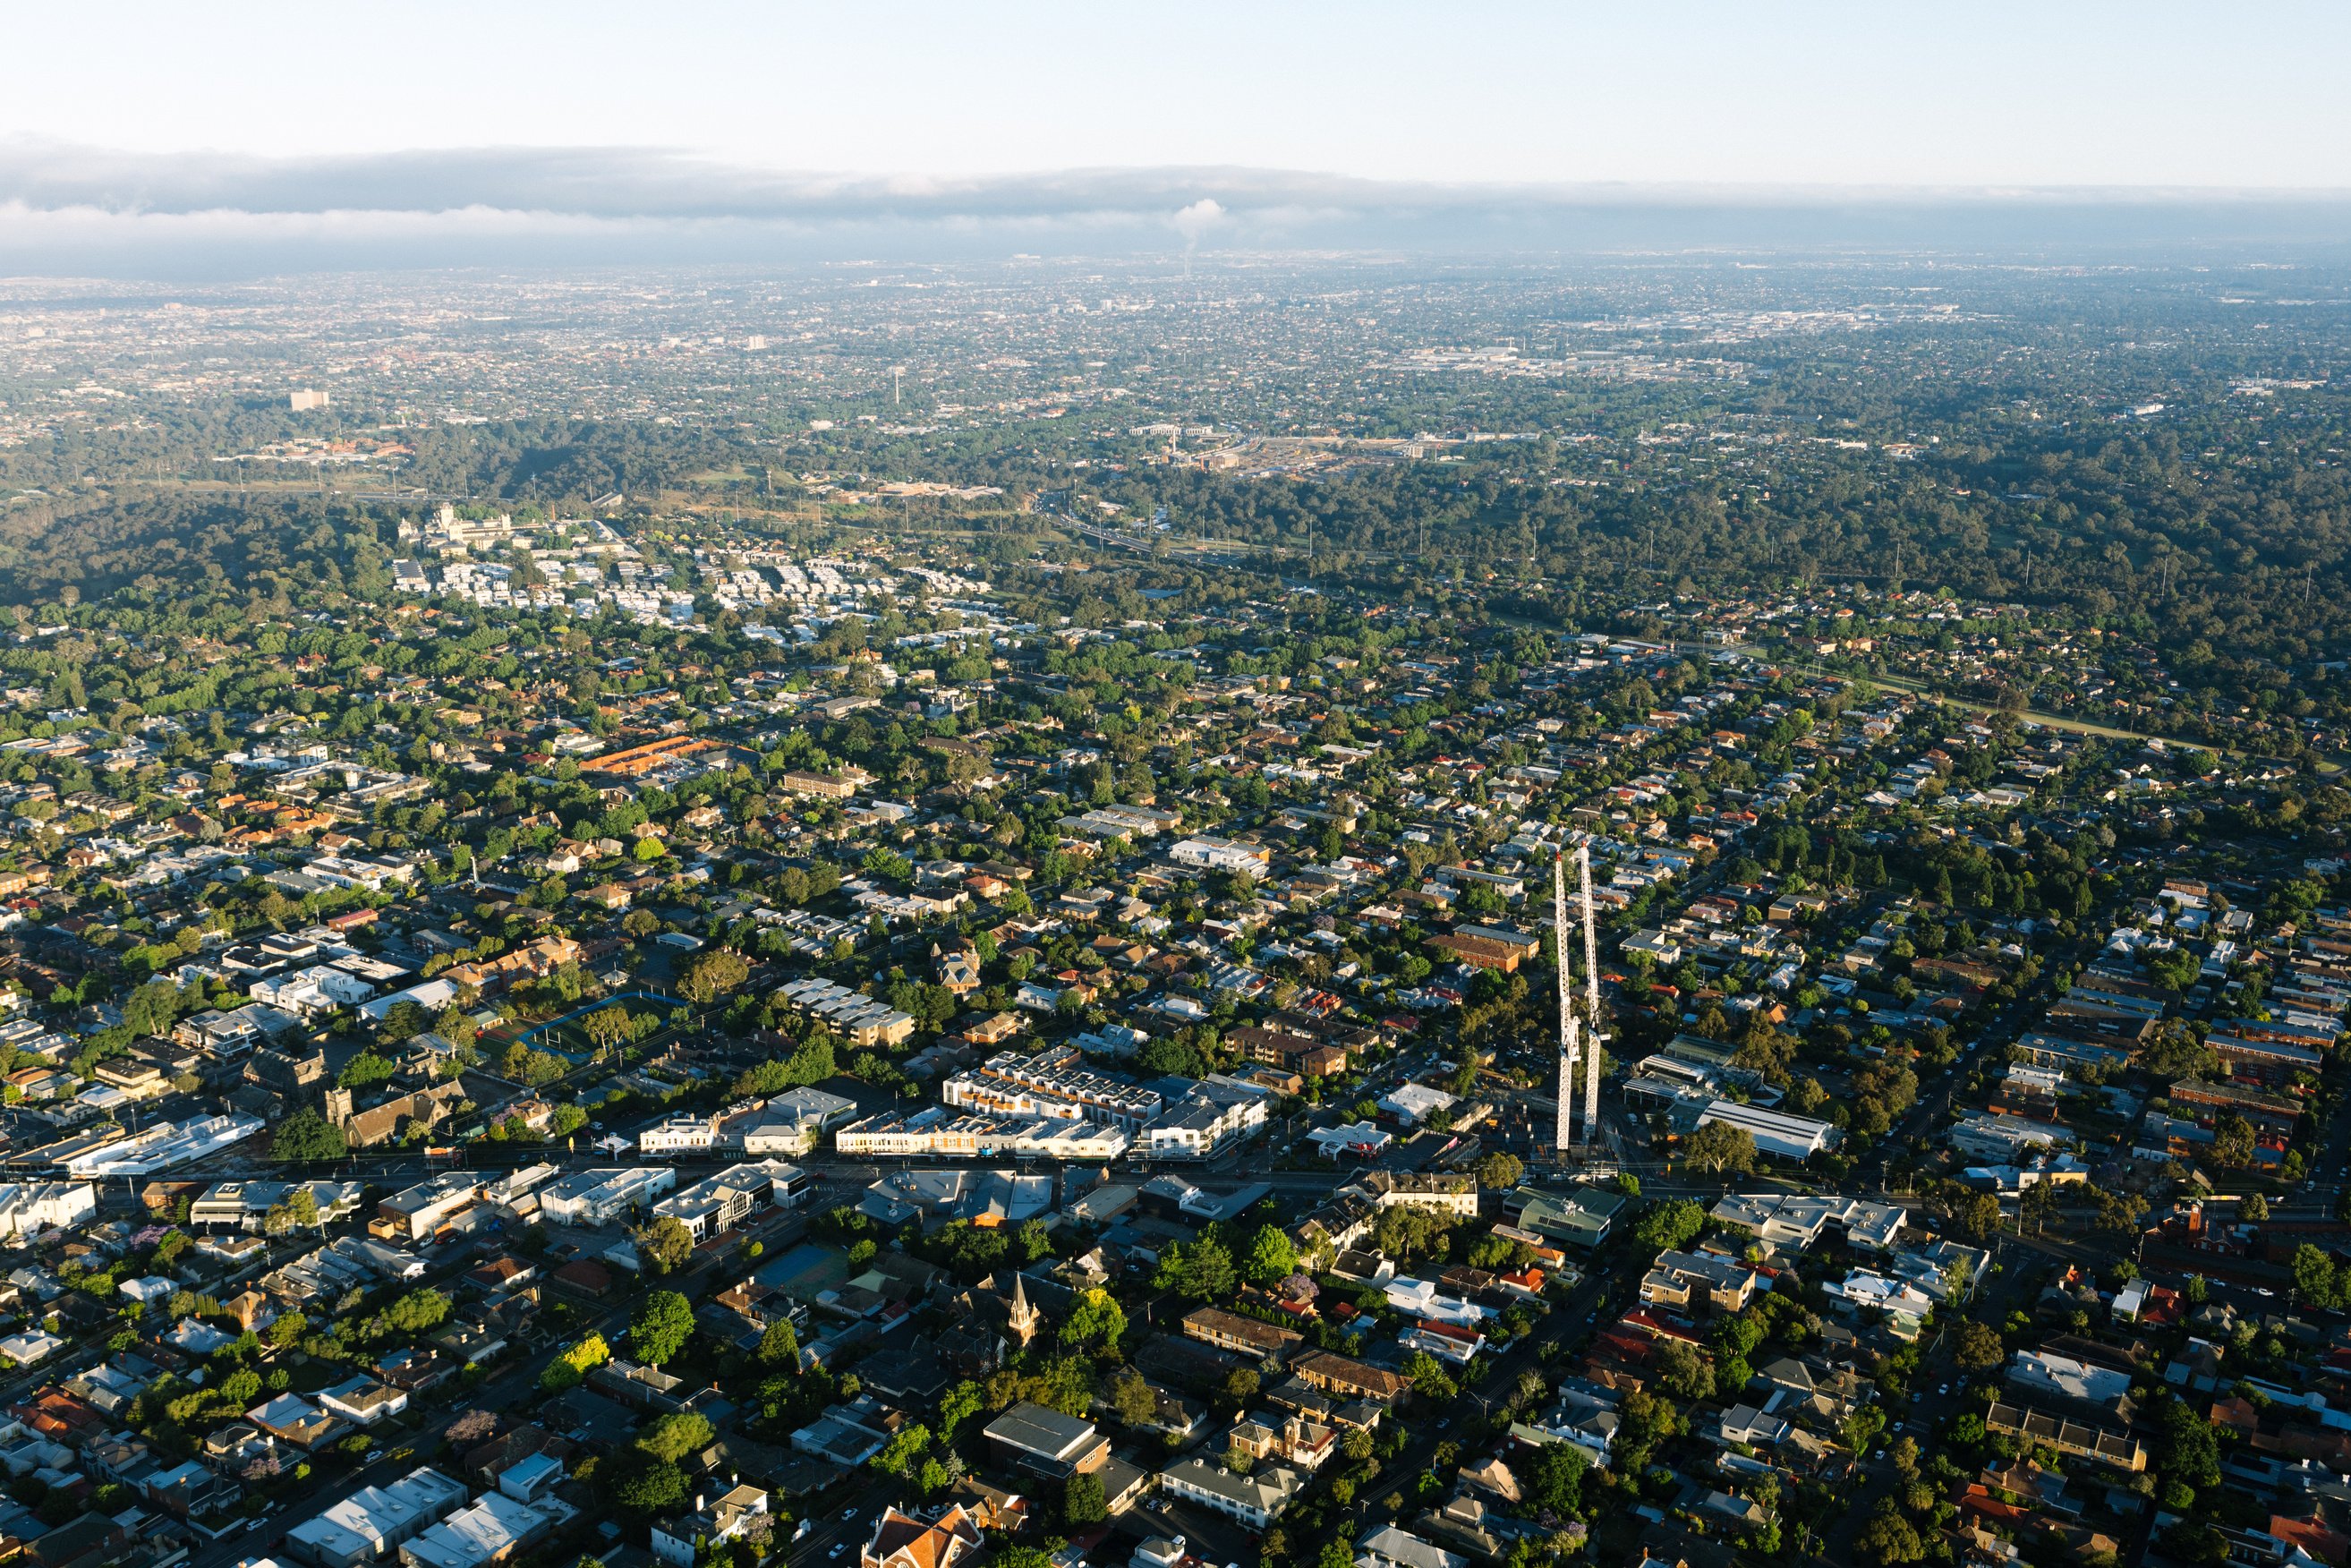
[{"x": 175, "y": 125}]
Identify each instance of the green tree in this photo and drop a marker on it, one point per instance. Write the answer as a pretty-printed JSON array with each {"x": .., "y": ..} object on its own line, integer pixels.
[
  {"x": 714, "y": 972},
  {"x": 1555, "y": 1478},
  {"x": 780, "y": 1345},
  {"x": 2195, "y": 1541},
  {"x": 418, "y": 1311},
  {"x": 1271, "y": 1256},
  {"x": 1429, "y": 1378},
  {"x": 365, "y": 1071},
  {"x": 2314, "y": 1277},
  {"x": 665, "y": 1244},
  {"x": 661, "y": 1327},
  {"x": 567, "y": 1370},
  {"x": 1499, "y": 1171},
  {"x": 1083, "y": 1502},
  {"x": 305, "y": 1135},
  {"x": 961, "y": 1403},
  {"x": 1977, "y": 1217},
  {"x": 1683, "y": 1372},
  {"x": 1888, "y": 1539},
  {"x": 646, "y": 1486},
  {"x": 1668, "y": 1224},
  {"x": 2233, "y": 1141},
  {"x": 674, "y": 1436},
  {"x": 1719, "y": 1146},
  {"x": 1095, "y": 1318},
  {"x": 1201, "y": 1269},
  {"x": 2187, "y": 1449},
  {"x": 1978, "y": 1348},
  {"x": 1132, "y": 1397},
  {"x": 905, "y": 1450}
]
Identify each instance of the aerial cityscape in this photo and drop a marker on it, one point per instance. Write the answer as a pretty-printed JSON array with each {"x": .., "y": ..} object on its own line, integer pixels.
[{"x": 1182, "y": 901}]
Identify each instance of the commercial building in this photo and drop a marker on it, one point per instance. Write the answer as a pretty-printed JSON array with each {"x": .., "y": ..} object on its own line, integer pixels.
[
  {"x": 418, "y": 1211},
  {"x": 1776, "y": 1133},
  {"x": 1047, "y": 1442},
  {"x": 373, "y": 1521},
  {"x": 1203, "y": 1122},
  {"x": 789, "y": 1124},
  {"x": 936, "y": 1132},
  {"x": 681, "y": 1134},
  {"x": 718, "y": 1204},
  {"x": 2008, "y": 1140},
  {"x": 1798, "y": 1221},
  {"x": 164, "y": 1146},
  {"x": 486, "y": 1532},
  {"x": 1051, "y": 1084},
  {"x": 1581, "y": 1217},
  {"x": 603, "y": 1196}
]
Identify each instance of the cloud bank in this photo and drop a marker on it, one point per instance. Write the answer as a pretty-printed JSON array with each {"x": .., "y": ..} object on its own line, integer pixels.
[{"x": 76, "y": 209}]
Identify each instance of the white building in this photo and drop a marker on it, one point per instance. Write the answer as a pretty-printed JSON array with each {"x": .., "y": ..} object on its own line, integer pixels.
[
  {"x": 312, "y": 992},
  {"x": 1421, "y": 1299},
  {"x": 1388, "y": 1547},
  {"x": 603, "y": 1195},
  {"x": 1798, "y": 1221},
  {"x": 938, "y": 1132},
  {"x": 1209, "y": 1118},
  {"x": 1013, "y": 1084},
  {"x": 684, "y": 1134},
  {"x": 1416, "y": 1102},
  {"x": 32, "y": 1206},
  {"x": 790, "y": 1123},
  {"x": 164, "y": 1146},
  {"x": 674, "y": 1540},
  {"x": 1776, "y": 1133},
  {"x": 1221, "y": 854},
  {"x": 717, "y": 1203},
  {"x": 363, "y": 1400},
  {"x": 373, "y": 1521},
  {"x": 1257, "y": 1500},
  {"x": 493, "y": 1528}
]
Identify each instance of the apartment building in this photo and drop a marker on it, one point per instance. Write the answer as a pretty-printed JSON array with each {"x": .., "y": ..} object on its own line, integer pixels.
[
  {"x": 1256, "y": 1500},
  {"x": 1051, "y": 1084}
]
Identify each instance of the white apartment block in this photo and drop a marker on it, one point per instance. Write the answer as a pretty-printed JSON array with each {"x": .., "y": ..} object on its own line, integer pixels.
[
  {"x": 1207, "y": 1120},
  {"x": 938, "y": 1132},
  {"x": 1011, "y": 1084}
]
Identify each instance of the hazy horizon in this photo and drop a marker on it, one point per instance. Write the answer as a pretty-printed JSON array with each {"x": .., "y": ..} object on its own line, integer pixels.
[
  {"x": 185, "y": 143},
  {"x": 68, "y": 210}
]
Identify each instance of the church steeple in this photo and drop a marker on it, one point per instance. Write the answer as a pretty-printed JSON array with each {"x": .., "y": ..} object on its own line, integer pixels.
[{"x": 1023, "y": 1322}]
